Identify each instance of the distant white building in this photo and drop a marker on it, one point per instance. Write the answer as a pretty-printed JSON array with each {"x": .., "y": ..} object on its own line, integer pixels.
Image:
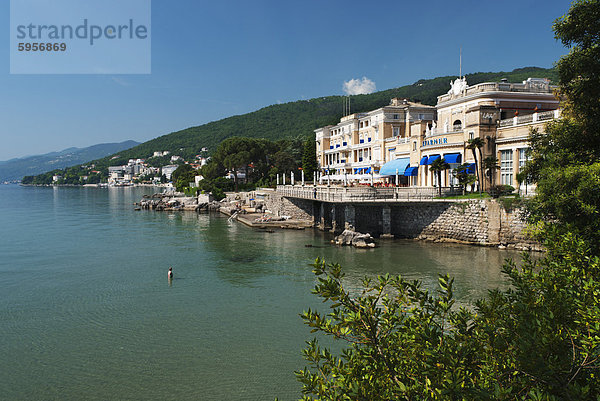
[
  {"x": 161, "y": 154},
  {"x": 168, "y": 170},
  {"x": 175, "y": 159}
]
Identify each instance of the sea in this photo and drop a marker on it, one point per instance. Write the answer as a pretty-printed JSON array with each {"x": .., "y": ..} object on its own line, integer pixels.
[{"x": 87, "y": 311}]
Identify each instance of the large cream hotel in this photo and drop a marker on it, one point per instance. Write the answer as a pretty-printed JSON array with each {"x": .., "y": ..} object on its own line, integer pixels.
[{"x": 398, "y": 143}]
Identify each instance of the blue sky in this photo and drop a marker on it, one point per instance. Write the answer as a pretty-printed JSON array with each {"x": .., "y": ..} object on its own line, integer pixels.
[{"x": 211, "y": 60}]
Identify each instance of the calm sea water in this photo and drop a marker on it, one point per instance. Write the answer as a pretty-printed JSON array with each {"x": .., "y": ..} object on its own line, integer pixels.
[{"x": 87, "y": 312}]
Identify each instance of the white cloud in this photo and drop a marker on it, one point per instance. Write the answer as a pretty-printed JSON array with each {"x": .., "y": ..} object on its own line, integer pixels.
[{"x": 359, "y": 86}]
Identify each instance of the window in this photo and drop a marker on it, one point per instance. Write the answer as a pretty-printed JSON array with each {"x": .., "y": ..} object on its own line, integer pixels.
[
  {"x": 396, "y": 131},
  {"x": 523, "y": 160},
  {"x": 457, "y": 125},
  {"x": 395, "y": 116},
  {"x": 506, "y": 167},
  {"x": 471, "y": 135},
  {"x": 414, "y": 146}
]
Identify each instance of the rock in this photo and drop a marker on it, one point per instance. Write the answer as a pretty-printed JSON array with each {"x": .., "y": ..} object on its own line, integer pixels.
[{"x": 353, "y": 238}]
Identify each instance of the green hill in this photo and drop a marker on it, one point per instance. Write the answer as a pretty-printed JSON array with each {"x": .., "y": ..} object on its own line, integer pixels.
[{"x": 300, "y": 118}]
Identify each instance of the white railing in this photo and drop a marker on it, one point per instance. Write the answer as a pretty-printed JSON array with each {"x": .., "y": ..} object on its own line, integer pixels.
[
  {"x": 501, "y": 86},
  {"x": 440, "y": 131},
  {"x": 364, "y": 193},
  {"x": 530, "y": 118}
]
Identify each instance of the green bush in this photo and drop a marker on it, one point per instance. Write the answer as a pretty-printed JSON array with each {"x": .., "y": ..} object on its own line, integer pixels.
[{"x": 497, "y": 191}]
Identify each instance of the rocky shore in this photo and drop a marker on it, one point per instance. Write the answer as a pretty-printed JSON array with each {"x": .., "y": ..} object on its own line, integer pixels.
[{"x": 173, "y": 201}]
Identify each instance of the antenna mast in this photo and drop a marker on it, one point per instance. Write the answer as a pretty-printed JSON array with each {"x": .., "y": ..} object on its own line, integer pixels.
[{"x": 460, "y": 63}]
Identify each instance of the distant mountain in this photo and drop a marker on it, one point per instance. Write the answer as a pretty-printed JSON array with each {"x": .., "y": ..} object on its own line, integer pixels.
[
  {"x": 300, "y": 118},
  {"x": 15, "y": 169}
]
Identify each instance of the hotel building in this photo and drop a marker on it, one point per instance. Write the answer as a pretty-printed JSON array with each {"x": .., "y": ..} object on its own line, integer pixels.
[
  {"x": 357, "y": 147},
  {"x": 398, "y": 143}
]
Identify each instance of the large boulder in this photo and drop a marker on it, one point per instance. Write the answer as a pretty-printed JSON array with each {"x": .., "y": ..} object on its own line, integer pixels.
[{"x": 356, "y": 239}]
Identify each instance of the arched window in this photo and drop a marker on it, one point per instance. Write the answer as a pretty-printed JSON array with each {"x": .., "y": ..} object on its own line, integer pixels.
[{"x": 457, "y": 125}]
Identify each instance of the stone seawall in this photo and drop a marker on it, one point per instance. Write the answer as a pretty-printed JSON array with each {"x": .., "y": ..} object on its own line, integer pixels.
[
  {"x": 482, "y": 222},
  {"x": 296, "y": 209}
]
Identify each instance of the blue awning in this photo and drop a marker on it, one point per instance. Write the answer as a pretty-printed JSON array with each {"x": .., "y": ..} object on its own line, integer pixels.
[
  {"x": 453, "y": 158},
  {"x": 423, "y": 161},
  {"x": 432, "y": 158},
  {"x": 368, "y": 171},
  {"x": 391, "y": 167},
  {"x": 471, "y": 168},
  {"x": 411, "y": 171}
]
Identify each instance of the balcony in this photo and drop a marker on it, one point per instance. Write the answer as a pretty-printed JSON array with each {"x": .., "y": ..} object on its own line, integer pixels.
[
  {"x": 530, "y": 87},
  {"x": 440, "y": 131},
  {"x": 530, "y": 118}
]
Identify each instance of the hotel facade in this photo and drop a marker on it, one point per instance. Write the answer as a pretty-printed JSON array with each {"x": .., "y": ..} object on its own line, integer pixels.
[{"x": 397, "y": 143}]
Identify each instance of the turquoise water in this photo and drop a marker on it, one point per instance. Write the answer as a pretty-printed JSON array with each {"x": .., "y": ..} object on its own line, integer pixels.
[{"x": 87, "y": 312}]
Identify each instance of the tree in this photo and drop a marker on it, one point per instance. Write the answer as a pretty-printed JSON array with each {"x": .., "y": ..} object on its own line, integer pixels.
[
  {"x": 183, "y": 175},
  {"x": 437, "y": 167},
  {"x": 309, "y": 158},
  {"x": 568, "y": 173},
  {"x": 463, "y": 176},
  {"x": 477, "y": 143},
  {"x": 235, "y": 153},
  {"x": 490, "y": 165},
  {"x": 540, "y": 338}
]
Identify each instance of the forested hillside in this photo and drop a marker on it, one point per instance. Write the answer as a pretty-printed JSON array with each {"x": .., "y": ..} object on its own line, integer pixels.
[{"x": 300, "y": 118}]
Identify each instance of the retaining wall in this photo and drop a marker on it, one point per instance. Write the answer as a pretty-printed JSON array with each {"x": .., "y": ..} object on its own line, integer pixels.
[{"x": 483, "y": 222}]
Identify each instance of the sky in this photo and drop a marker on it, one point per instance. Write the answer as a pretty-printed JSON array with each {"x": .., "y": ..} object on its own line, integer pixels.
[{"x": 211, "y": 60}]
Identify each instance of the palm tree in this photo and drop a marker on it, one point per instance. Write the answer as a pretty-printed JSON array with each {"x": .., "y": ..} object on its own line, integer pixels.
[
  {"x": 437, "y": 167},
  {"x": 462, "y": 175},
  {"x": 477, "y": 143},
  {"x": 490, "y": 164}
]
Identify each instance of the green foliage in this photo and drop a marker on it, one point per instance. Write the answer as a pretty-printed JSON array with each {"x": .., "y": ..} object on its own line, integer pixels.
[
  {"x": 509, "y": 203},
  {"x": 497, "y": 191},
  {"x": 579, "y": 71},
  {"x": 540, "y": 339},
  {"x": 477, "y": 143},
  {"x": 565, "y": 161},
  {"x": 437, "y": 167},
  {"x": 462, "y": 175},
  {"x": 183, "y": 176},
  {"x": 571, "y": 195},
  {"x": 404, "y": 343},
  {"x": 309, "y": 158},
  {"x": 490, "y": 165}
]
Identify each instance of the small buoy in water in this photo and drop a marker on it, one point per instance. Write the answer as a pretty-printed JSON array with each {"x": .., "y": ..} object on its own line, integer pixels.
[{"x": 308, "y": 246}]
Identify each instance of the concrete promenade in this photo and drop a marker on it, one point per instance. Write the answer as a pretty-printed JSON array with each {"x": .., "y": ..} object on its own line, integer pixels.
[{"x": 366, "y": 194}]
